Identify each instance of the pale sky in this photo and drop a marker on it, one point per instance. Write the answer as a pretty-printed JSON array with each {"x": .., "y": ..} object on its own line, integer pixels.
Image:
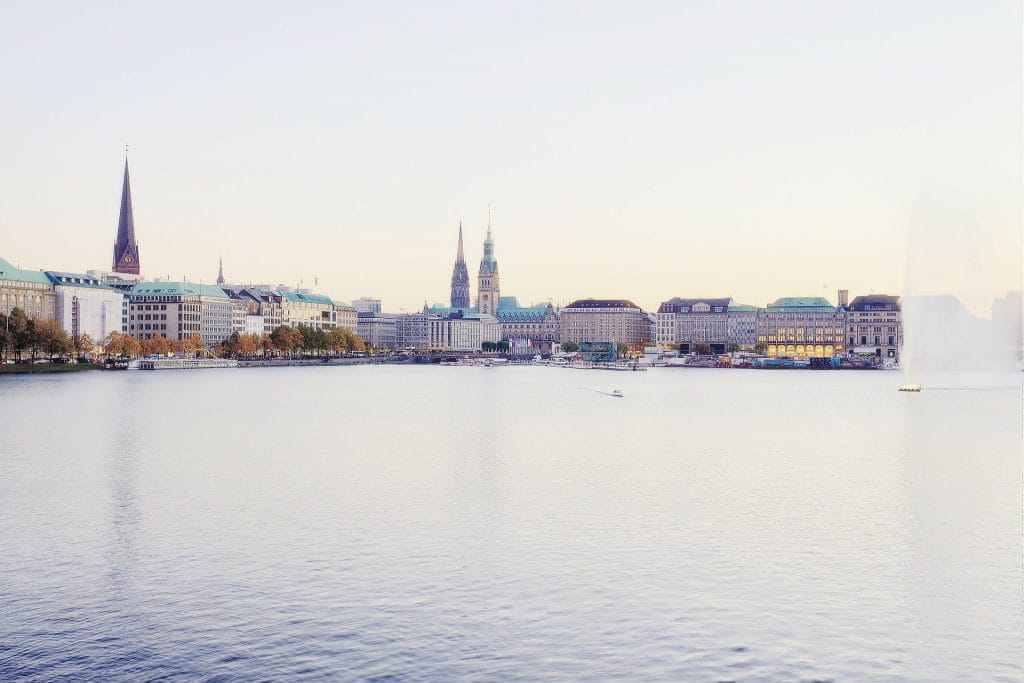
[{"x": 636, "y": 150}]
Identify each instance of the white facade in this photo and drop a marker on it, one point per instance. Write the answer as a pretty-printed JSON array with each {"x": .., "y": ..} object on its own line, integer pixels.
[
  {"x": 463, "y": 334},
  {"x": 254, "y": 324},
  {"x": 84, "y": 306}
]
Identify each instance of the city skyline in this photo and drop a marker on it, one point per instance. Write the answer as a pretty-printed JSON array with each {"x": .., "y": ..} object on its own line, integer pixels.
[{"x": 794, "y": 168}]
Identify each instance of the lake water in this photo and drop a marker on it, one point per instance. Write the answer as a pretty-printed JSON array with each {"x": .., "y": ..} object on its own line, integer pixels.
[{"x": 429, "y": 523}]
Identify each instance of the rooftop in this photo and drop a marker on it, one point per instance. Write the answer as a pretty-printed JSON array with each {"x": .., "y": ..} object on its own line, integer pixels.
[
  {"x": 308, "y": 298},
  {"x": 875, "y": 302},
  {"x": 10, "y": 272},
  {"x": 603, "y": 303},
  {"x": 177, "y": 289},
  {"x": 801, "y": 304}
]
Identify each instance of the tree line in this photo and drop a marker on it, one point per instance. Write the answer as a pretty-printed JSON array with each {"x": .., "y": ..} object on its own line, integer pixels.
[{"x": 21, "y": 335}]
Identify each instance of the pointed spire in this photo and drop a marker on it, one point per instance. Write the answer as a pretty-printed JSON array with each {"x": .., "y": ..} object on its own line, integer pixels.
[
  {"x": 220, "y": 272},
  {"x": 126, "y": 249},
  {"x": 488, "y": 220},
  {"x": 460, "y": 258}
]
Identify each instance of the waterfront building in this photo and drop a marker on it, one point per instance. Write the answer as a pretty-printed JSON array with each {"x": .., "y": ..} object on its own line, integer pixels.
[
  {"x": 264, "y": 303},
  {"x": 741, "y": 327},
  {"x": 801, "y": 327},
  {"x": 126, "y": 248},
  {"x": 458, "y": 331},
  {"x": 618, "y": 320},
  {"x": 178, "y": 310},
  {"x": 689, "y": 322},
  {"x": 84, "y": 305},
  {"x": 874, "y": 325},
  {"x": 308, "y": 310},
  {"x": 378, "y": 330},
  {"x": 530, "y": 329},
  {"x": 488, "y": 282},
  {"x": 365, "y": 304},
  {"x": 31, "y": 291},
  {"x": 460, "y": 278},
  {"x": 599, "y": 351},
  {"x": 345, "y": 316},
  {"x": 412, "y": 331}
]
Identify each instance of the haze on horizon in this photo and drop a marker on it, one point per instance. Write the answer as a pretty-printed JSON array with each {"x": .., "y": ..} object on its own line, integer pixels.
[{"x": 642, "y": 151}]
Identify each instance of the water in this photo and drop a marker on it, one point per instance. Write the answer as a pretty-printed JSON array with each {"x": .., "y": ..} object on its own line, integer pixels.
[{"x": 428, "y": 523}]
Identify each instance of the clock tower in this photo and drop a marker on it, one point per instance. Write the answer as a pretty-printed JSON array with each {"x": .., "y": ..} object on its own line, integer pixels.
[
  {"x": 488, "y": 285},
  {"x": 126, "y": 249}
]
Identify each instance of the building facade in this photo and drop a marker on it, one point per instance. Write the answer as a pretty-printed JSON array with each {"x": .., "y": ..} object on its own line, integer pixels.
[
  {"x": 365, "y": 304},
  {"x": 178, "y": 310},
  {"x": 528, "y": 330},
  {"x": 84, "y": 305},
  {"x": 307, "y": 310},
  {"x": 378, "y": 330},
  {"x": 801, "y": 327},
  {"x": 345, "y": 316},
  {"x": 29, "y": 290},
  {"x": 741, "y": 327},
  {"x": 874, "y": 324},
  {"x": 618, "y": 320},
  {"x": 459, "y": 331},
  {"x": 412, "y": 331}
]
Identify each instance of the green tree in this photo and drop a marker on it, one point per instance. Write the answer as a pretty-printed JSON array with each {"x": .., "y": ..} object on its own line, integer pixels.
[
  {"x": 570, "y": 347},
  {"x": 703, "y": 349},
  {"x": 48, "y": 337},
  {"x": 21, "y": 335},
  {"x": 337, "y": 340},
  {"x": 732, "y": 348},
  {"x": 622, "y": 349},
  {"x": 761, "y": 348}
]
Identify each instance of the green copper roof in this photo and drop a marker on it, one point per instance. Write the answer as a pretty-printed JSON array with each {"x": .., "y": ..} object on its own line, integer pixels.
[
  {"x": 9, "y": 272},
  {"x": 742, "y": 308},
  {"x": 177, "y": 289},
  {"x": 308, "y": 298},
  {"x": 802, "y": 304}
]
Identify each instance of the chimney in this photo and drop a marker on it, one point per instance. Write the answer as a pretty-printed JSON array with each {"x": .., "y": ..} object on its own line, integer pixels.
[{"x": 844, "y": 298}]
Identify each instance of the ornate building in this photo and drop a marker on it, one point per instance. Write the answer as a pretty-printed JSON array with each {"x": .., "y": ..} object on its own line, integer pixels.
[
  {"x": 488, "y": 287},
  {"x": 126, "y": 249},
  {"x": 460, "y": 278}
]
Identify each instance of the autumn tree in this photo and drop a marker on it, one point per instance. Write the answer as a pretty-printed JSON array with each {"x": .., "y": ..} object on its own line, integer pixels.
[
  {"x": 18, "y": 324},
  {"x": 248, "y": 345},
  {"x": 194, "y": 344},
  {"x": 50, "y": 338},
  {"x": 84, "y": 345}
]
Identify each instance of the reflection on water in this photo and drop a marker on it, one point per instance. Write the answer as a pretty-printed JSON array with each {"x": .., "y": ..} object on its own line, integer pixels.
[{"x": 436, "y": 523}]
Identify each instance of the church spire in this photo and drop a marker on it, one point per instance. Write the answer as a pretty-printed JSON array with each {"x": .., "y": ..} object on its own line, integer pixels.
[
  {"x": 126, "y": 249},
  {"x": 460, "y": 258},
  {"x": 220, "y": 272},
  {"x": 460, "y": 278}
]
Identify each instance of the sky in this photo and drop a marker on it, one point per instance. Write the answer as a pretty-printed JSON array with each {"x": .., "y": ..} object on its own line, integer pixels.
[{"x": 634, "y": 150}]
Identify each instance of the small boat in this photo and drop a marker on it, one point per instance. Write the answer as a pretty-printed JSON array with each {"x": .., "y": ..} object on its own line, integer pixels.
[
  {"x": 617, "y": 393},
  {"x": 911, "y": 387}
]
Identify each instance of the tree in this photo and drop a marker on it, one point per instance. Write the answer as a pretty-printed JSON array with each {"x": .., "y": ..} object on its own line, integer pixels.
[
  {"x": 760, "y": 348},
  {"x": 84, "y": 345},
  {"x": 194, "y": 343},
  {"x": 266, "y": 345},
  {"x": 21, "y": 337},
  {"x": 337, "y": 340},
  {"x": 48, "y": 337},
  {"x": 703, "y": 349},
  {"x": 733, "y": 348},
  {"x": 248, "y": 345},
  {"x": 622, "y": 349},
  {"x": 230, "y": 345},
  {"x": 114, "y": 344},
  {"x": 283, "y": 339},
  {"x": 570, "y": 347},
  {"x": 132, "y": 347}
]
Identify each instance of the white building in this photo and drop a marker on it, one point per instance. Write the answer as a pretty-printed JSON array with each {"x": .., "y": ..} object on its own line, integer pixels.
[
  {"x": 84, "y": 305},
  {"x": 463, "y": 332},
  {"x": 366, "y": 304}
]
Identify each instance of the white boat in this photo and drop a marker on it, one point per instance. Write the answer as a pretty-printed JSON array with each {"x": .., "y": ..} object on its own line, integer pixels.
[
  {"x": 911, "y": 388},
  {"x": 617, "y": 393}
]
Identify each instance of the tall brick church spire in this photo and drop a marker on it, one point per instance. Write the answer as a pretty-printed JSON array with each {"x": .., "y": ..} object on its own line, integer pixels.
[
  {"x": 126, "y": 249},
  {"x": 460, "y": 278}
]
